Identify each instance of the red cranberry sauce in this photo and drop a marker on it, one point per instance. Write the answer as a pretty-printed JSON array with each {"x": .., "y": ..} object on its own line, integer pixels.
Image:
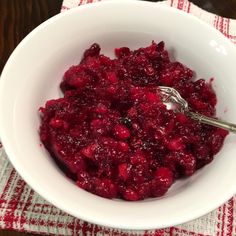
[{"x": 113, "y": 135}]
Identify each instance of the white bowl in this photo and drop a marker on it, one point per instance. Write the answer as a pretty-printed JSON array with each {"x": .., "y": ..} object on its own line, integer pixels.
[{"x": 34, "y": 71}]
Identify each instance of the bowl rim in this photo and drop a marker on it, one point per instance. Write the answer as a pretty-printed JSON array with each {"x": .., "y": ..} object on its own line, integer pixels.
[{"x": 38, "y": 188}]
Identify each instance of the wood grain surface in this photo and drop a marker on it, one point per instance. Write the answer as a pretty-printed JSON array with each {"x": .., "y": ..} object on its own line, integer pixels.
[
  {"x": 226, "y": 8},
  {"x": 19, "y": 17}
]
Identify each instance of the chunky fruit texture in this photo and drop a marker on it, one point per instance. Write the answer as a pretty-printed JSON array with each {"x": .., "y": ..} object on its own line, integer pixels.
[{"x": 112, "y": 134}]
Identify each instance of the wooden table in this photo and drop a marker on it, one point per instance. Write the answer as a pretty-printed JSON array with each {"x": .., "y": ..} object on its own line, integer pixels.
[{"x": 19, "y": 17}]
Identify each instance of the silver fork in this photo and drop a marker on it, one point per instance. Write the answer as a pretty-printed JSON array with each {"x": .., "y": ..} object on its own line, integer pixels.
[{"x": 174, "y": 101}]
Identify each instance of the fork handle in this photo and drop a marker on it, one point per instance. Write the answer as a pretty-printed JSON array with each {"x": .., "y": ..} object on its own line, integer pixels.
[{"x": 211, "y": 121}]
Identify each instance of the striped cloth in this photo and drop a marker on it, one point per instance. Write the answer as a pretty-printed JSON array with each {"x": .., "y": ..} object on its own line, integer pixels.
[{"x": 24, "y": 210}]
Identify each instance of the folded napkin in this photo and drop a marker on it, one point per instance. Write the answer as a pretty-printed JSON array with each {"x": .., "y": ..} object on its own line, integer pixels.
[{"x": 24, "y": 210}]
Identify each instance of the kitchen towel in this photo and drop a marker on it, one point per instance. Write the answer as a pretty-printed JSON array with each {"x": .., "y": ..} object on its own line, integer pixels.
[{"x": 24, "y": 210}]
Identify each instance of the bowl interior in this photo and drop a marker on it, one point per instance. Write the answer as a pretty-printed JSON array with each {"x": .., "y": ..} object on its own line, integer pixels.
[{"x": 35, "y": 70}]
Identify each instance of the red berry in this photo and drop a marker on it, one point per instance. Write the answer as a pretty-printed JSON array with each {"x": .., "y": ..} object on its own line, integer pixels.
[
  {"x": 112, "y": 78},
  {"x": 176, "y": 144},
  {"x": 58, "y": 123},
  {"x": 78, "y": 82},
  {"x": 105, "y": 188},
  {"x": 138, "y": 158},
  {"x": 130, "y": 195},
  {"x": 164, "y": 176},
  {"x": 124, "y": 171},
  {"x": 89, "y": 150},
  {"x": 121, "y": 52},
  {"x": 181, "y": 118},
  {"x": 124, "y": 147},
  {"x": 121, "y": 132},
  {"x": 153, "y": 97}
]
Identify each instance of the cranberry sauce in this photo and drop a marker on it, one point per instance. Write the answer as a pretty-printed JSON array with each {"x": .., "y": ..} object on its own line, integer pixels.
[{"x": 112, "y": 133}]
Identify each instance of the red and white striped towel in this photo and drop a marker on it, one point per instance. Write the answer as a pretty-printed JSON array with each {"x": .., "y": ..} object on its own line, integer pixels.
[{"x": 22, "y": 209}]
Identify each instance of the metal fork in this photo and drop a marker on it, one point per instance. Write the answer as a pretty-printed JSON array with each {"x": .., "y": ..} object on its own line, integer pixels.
[{"x": 173, "y": 100}]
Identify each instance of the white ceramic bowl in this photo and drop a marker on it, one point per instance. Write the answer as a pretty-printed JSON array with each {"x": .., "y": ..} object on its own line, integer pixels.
[{"x": 34, "y": 71}]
